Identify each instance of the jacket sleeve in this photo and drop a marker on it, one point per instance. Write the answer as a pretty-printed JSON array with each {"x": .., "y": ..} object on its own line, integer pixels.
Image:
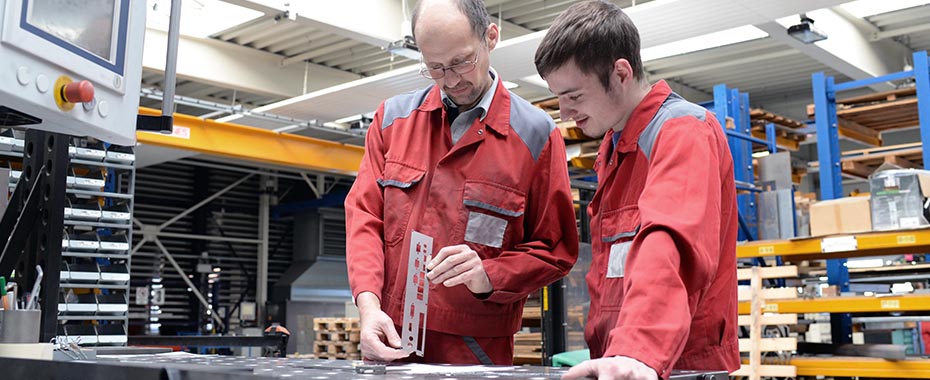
[
  {"x": 550, "y": 245},
  {"x": 364, "y": 206},
  {"x": 672, "y": 260}
]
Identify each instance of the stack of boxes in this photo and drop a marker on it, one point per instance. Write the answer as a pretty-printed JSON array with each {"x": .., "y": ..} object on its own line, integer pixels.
[{"x": 899, "y": 200}]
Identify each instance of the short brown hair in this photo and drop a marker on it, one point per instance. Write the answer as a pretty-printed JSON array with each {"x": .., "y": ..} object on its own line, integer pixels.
[{"x": 593, "y": 34}]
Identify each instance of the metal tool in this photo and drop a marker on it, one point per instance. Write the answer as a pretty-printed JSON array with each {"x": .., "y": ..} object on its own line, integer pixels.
[
  {"x": 416, "y": 294},
  {"x": 35, "y": 289},
  {"x": 369, "y": 369}
]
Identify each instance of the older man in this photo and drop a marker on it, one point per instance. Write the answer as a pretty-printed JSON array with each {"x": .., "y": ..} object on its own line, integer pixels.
[{"x": 478, "y": 169}]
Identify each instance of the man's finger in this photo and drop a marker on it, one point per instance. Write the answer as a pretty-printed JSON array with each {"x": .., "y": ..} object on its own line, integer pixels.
[
  {"x": 580, "y": 371},
  {"x": 437, "y": 259},
  {"x": 447, "y": 268},
  {"x": 462, "y": 273},
  {"x": 443, "y": 254},
  {"x": 391, "y": 334}
]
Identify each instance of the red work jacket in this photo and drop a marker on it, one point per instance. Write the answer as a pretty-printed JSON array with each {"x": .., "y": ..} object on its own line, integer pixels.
[
  {"x": 503, "y": 190},
  {"x": 663, "y": 224}
]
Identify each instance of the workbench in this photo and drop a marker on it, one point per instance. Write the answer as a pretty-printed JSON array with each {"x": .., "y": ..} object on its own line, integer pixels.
[{"x": 182, "y": 366}]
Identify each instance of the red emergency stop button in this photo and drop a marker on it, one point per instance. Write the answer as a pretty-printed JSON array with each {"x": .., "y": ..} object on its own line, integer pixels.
[{"x": 78, "y": 92}]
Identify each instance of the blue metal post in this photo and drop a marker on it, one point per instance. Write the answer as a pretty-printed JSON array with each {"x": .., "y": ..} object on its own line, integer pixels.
[
  {"x": 720, "y": 104},
  {"x": 721, "y": 109},
  {"x": 922, "y": 78},
  {"x": 727, "y": 103},
  {"x": 739, "y": 103},
  {"x": 831, "y": 187},
  {"x": 828, "y": 142},
  {"x": 771, "y": 138}
]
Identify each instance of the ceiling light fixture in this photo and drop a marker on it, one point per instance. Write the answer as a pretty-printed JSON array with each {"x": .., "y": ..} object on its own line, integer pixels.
[
  {"x": 405, "y": 47},
  {"x": 805, "y": 31}
]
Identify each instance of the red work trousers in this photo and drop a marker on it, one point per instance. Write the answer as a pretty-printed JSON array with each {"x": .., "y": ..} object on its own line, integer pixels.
[{"x": 444, "y": 348}]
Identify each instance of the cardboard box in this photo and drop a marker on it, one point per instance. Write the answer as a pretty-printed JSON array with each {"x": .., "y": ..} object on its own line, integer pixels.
[
  {"x": 841, "y": 216},
  {"x": 899, "y": 199}
]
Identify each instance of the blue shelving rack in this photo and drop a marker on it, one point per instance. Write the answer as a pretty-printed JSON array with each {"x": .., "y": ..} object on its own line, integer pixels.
[
  {"x": 828, "y": 152},
  {"x": 730, "y": 102}
]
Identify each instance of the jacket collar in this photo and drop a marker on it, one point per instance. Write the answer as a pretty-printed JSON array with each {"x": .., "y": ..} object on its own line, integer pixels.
[
  {"x": 644, "y": 112},
  {"x": 485, "y": 103},
  {"x": 497, "y": 117}
]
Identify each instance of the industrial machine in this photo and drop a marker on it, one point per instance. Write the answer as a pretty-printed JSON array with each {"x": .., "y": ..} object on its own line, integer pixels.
[
  {"x": 67, "y": 68},
  {"x": 72, "y": 67}
]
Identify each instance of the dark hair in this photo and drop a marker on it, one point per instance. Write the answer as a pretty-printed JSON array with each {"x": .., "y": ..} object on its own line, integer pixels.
[
  {"x": 474, "y": 10},
  {"x": 593, "y": 34}
]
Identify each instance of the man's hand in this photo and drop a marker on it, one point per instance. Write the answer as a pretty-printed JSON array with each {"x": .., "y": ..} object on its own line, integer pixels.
[
  {"x": 612, "y": 368},
  {"x": 458, "y": 265},
  {"x": 379, "y": 339}
]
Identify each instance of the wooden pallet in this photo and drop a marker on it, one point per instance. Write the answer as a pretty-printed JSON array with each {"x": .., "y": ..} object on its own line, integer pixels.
[
  {"x": 760, "y": 117},
  {"x": 527, "y": 348},
  {"x": 338, "y": 336},
  {"x": 342, "y": 356},
  {"x": 784, "y": 137},
  {"x": 335, "y": 348},
  {"x": 864, "y": 117},
  {"x": 862, "y": 163},
  {"x": 335, "y": 324}
]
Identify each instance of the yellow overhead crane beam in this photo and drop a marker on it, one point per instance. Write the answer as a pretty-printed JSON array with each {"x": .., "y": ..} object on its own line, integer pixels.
[{"x": 255, "y": 144}]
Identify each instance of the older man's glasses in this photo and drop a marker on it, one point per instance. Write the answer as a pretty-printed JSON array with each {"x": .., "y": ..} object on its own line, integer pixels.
[{"x": 458, "y": 68}]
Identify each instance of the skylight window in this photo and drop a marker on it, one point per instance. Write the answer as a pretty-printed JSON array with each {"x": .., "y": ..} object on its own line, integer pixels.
[{"x": 199, "y": 18}]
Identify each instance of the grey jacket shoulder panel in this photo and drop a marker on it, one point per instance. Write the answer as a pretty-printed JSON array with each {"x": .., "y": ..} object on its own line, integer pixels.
[
  {"x": 532, "y": 124},
  {"x": 403, "y": 105},
  {"x": 674, "y": 107}
]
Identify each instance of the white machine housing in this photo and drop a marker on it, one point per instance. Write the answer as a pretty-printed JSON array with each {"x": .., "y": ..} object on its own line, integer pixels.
[{"x": 95, "y": 40}]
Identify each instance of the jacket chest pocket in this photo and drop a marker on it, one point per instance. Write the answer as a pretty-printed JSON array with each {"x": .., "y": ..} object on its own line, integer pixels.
[
  {"x": 491, "y": 210},
  {"x": 618, "y": 228},
  {"x": 398, "y": 182}
]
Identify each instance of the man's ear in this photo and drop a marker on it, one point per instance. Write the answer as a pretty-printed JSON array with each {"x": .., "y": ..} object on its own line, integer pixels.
[
  {"x": 622, "y": 70},
  {"x": 493, "y": 36}
]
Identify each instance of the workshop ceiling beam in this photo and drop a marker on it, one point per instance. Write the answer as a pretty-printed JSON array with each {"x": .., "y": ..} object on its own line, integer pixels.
[
  {"x": 513, "y": 57},
  {"x": 374, "y": 22},
  {"x": 231, "y": 66},
  {"x": 848, "y": 49}
]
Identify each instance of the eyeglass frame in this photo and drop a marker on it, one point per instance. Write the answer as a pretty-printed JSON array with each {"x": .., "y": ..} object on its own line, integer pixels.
[{"x": 471, "y": 65}]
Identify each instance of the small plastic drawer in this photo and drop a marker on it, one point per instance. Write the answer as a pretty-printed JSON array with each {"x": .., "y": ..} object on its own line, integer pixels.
[
  {"x": 86, "y": 210},
  {"x": 85, "y": 272},
  {"x": 114, "y": 243},
  {"x": 112, "y": 303},
  {"x": 117, "y": 213},
  {"x": 89, "y": 151},
  {"x": 120, "y": 155},
  {"x": 114, "y": 273},
  {"x": 87, "y": 242}
]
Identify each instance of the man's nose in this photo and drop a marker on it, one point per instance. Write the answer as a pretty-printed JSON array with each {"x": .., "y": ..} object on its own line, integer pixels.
[{"x": 451, "y": 79}]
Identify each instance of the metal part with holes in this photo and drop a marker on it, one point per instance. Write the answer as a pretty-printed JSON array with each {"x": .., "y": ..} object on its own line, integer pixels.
[{"x": 416, "y": 294}]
